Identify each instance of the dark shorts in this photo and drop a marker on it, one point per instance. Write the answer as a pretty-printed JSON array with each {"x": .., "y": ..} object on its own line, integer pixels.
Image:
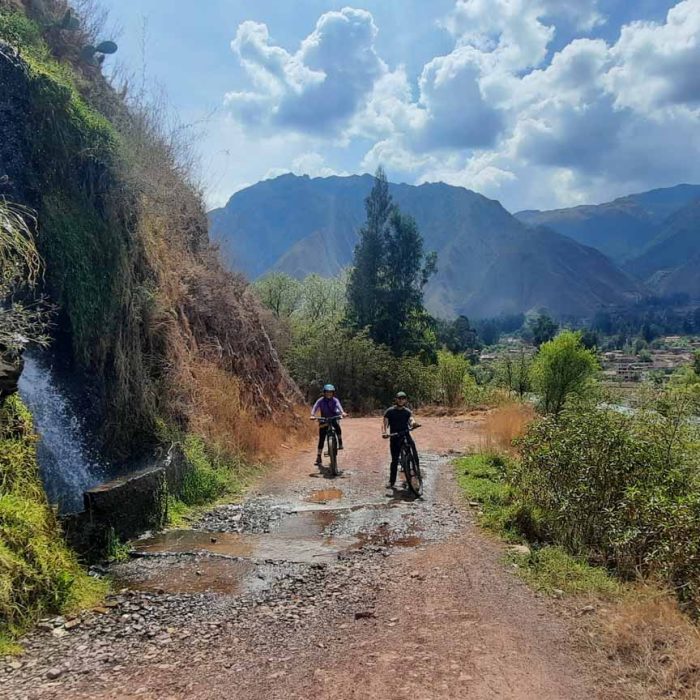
[{"x": 322, "y": 429}]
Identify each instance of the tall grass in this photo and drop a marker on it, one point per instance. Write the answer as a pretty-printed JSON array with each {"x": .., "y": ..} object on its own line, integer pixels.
[{"x": 503, "y": 425}]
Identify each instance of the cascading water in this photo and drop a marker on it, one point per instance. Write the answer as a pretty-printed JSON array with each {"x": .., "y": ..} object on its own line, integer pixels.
[{"x": 68, "y": 465}]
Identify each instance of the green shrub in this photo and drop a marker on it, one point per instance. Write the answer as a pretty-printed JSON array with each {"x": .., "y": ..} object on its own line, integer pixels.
[
  {"x": 38, "y": 573},
  {"x": 19, "y": 30},
  {"x": 563, "y": 367},
  {"x": 623, "y": 490},
  {"x": 513, "y": 372},
  {"x": 412, "y": 375},
  {"x": 484, "y": 479},
  {"x": 209, "y": 476},
  {"x": 453, "y": 374}
]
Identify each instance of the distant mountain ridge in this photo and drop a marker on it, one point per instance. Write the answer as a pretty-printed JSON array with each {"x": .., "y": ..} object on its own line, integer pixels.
[
  {"x": 671, "y": 262},
  {"x": 489, "y": 262},
  {"x": 654, "y": 235},
  {"x": 620, "y": 229}
]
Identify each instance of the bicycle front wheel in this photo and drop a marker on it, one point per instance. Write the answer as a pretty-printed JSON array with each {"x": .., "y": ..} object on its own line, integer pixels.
[
  {"x": 411, "y": 469},
  {"x": 333, "y": 453}
]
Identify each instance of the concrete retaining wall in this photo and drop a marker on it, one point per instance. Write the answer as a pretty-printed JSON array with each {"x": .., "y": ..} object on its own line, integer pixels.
[{"x": 122, "y": 508}]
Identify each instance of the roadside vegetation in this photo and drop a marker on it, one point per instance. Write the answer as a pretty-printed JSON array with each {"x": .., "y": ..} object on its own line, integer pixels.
[{"x": 605, "y": 505}]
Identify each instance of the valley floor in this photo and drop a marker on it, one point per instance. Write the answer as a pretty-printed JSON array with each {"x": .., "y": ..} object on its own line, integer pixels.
[{"x": 314, "y": 588}]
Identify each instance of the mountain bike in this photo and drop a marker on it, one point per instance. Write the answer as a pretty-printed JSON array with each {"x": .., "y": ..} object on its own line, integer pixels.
[
  {"x": 408, "y": 459},
  {"x": 332, "y": 442}
]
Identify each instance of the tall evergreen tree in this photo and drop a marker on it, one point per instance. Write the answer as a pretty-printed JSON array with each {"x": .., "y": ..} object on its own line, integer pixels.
[
  {"x": 391, "y": 269},
  {"x": 370, "y": 252}
]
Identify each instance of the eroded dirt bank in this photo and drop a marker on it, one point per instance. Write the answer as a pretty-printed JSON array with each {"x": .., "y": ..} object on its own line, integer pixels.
[{"x": 316, "y": 589}]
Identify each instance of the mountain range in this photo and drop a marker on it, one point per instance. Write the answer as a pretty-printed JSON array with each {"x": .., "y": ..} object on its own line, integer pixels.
[
  {"x": 568, "y": 261},
  {"x": 621, "y": 229}
]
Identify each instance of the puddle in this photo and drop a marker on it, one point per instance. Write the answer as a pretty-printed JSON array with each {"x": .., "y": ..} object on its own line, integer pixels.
[
  {"x": 324, "y": 495},
  {"x": 178, "y": 541},
  {"x": 308, "y": 523},
  {"x": 201, "y": 575},
  {"x": 284, "y": 545}
]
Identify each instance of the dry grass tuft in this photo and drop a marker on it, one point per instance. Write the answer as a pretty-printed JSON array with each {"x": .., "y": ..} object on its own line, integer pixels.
[
  {"x": 502, "y": 425},
  {"x": 221, "y": 413},
  {"x": 655, "y": 647}
]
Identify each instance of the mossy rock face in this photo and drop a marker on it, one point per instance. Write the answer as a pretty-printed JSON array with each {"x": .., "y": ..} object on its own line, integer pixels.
[
  {"x": 14, "y": 106},
  {"x": 10, "y": 370},
  {"x": 63, "y": 159}
]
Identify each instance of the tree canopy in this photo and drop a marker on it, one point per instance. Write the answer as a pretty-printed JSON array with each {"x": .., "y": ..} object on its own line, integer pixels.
[{"x": 389, "y": 273}]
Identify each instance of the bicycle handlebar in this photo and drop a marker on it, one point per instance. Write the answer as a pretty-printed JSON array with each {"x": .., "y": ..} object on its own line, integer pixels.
[
  {"x": 326, "y": 420},
  {"x": 402, "y": 432}
]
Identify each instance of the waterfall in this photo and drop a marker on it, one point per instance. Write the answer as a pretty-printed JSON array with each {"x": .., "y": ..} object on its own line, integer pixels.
[{"x": 67, "y": 463}]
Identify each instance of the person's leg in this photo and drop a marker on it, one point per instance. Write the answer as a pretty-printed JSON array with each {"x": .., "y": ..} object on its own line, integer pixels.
[
  {"x": 395, "y": 448},
  {"x": 321, "y": 439},
  {"x": 339, "y": 433}
]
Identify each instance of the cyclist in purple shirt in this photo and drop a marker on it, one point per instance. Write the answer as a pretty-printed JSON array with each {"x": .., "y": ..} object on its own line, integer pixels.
[{"x": 327, "y": 406}]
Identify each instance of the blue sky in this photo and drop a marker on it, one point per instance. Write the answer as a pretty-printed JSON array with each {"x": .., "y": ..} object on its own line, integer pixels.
[{"x": 538, "y": 103}]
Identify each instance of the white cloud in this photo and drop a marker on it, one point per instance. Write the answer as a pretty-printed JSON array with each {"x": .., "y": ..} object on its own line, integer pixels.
[
  {"x": 509, "y": 31},
  {"x": 658, "y": 65},
  {"x": 597, "y": 121},
  {"x": 318, "y": 88},
  {"x": 581, "y": 14},
  {"x": 499, "y": 113},
  {"x": 456, "y": 114},
  {"x": 314, "y": 165}
]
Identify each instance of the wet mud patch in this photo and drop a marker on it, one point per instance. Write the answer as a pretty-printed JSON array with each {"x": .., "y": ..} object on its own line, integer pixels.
[
  {"x": 259, "y": 540},
  {"x": 324, "y": 496},
  {"x": 178, "y": 574}
]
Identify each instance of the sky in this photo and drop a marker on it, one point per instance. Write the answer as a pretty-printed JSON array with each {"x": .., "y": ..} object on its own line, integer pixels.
[{"x": 536, "y": 103}]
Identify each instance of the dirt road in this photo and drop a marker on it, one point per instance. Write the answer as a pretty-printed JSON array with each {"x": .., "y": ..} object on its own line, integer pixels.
[{"x": 315, "y": 588}]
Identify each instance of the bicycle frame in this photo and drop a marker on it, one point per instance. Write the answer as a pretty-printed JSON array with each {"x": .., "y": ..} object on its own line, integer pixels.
[
  {"x": 331, "y": 440},
  {"x": 407, "y": 445}
]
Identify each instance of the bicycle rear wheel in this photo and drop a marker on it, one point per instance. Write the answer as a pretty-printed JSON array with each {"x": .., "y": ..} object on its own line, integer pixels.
[
  {"x": 411, "y": 470},
  {"x": 333, "y": 453}
]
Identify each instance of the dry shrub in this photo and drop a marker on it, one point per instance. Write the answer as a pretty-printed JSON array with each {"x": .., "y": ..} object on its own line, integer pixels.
[
  {"x": 505, "y": 423},
  {"x": 220, "y": 413},
  {"x": 220, "y": 374},
  {"x": 655, "y": 646}
]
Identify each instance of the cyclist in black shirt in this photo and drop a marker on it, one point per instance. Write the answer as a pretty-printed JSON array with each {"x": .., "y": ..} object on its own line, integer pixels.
[{"x": 397, "y": 419}]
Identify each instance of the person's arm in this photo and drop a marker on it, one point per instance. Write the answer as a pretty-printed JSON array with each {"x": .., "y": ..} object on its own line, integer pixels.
[
  {"x": 314, "y": 410},
  {"x": 341, "y": 412},
  {"x": 385, "y": 426},
  {"x": 411, "y": 421}
]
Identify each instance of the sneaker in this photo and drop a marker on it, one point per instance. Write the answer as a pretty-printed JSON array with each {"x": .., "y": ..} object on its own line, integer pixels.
[
  {"x": 340, "y": 446},
  {"x": 390, "y": 485},
  {"x": 319, "y": 461}
]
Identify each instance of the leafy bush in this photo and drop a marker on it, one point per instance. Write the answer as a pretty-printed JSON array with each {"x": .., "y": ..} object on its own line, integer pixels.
[
  {"x": 623, "y": 490},
  {"x": 453, "y": 374},
  {"x": 484, "y": 479},
  {"x": 562, "y": 367},
  {"x": 513, "y": 372}
]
